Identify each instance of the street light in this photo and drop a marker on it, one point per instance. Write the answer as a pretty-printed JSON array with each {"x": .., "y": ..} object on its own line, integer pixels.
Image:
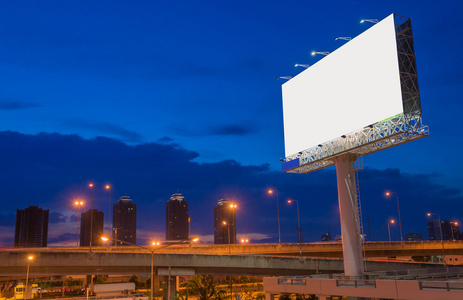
[
  {"x": 389, "y": 228},
  {"x": 344, "y": 38},
  {"x": 105, "y": 239},
  {"x": 451, "y": 229},
  {"x": 228, "y": 227},
  {"x": 278, "y": 213},
  {"x": 79, "y": 205},
  {"x": 298, "y": 224},
  {"x": 398, "y": 209},
  {"x": 91, "y": 219},
  {"x": 441, "y": 235},
  {"x": 108, "y": 187},
  {"x": 313, "y": 53},
  {"x": 369, "y": 20},
  {"x": 243, "y": 241},
  {"x": 29, "y": 259}
]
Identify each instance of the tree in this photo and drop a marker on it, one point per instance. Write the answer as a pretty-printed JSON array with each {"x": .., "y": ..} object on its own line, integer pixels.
[
  {"x": 138, "y": 284},
  {"x": 204, "y": 287}
]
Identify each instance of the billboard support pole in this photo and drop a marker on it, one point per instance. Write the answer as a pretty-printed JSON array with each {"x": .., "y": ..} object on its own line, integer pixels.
[{"x": 349, "y": 213}]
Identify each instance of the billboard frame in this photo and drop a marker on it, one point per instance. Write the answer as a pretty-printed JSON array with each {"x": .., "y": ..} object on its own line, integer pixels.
[{"x": 400, "y": 129}]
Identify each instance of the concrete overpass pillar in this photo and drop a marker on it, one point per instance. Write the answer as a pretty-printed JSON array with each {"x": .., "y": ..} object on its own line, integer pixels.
[
  {"x": 172, "y": 288},
  {"x": 269, "y": 296},
  {"x": 348, "y": 210},
  {"x": 87, "y": 280}
]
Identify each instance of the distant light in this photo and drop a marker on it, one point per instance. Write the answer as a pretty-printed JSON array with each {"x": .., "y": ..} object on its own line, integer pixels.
[
  {"x": 90, "y": 185},
  {"x": 392, "y": 221},
  {"x": 224, "y": 223},
  {"x": 30, "y": 258},
  {"x": 156, "y": 243},
  {"x": 108, "y": 187},
  {"x": 195, "y": 239},
  {"x": 104, "y": 238}
]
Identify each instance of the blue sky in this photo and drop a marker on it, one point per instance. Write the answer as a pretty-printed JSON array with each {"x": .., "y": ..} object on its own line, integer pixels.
[{"x": 182, "y": 95}]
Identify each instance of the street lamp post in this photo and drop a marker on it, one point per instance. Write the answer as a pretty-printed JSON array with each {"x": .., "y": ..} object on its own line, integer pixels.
[
  {"x": 228, "y": 227},
  {"x": 441, "y": 235},
  {"x": 298, "y": 225},
  {"x": 79, "y": 205},
  {"x": 30, "y": 258},
  {"x": 152, "y": 254},
  {"x": 108, "y": 187},
  {"x": 278, "y": 214},
  {"x": 451, "y": 229},
  {"x": 398, "y": 209},
  {"x": 389, "y": 228},
  {"x": 91, "y": 219}
]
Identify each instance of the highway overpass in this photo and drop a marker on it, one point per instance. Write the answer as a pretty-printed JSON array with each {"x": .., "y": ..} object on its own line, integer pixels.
[
  {"x": 123, "y": 260},
  {"x": 323, "y": 249}
]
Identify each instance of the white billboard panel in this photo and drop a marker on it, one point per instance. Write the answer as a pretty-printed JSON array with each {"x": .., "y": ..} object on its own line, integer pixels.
[{"x": 353, "y": 87}]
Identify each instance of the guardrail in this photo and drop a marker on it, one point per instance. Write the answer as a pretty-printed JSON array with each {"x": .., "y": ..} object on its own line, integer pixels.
[
  {"x": 292, "y": 281},
  {"x": 356, "y": 283},
  {"x": 442, "y": 285}
]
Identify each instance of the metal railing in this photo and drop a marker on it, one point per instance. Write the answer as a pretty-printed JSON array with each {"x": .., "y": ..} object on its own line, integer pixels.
[
  {"x": 453, "y": 286},
  {"x": 292, "y": 281},
  {"x": 356, "y": 283}
]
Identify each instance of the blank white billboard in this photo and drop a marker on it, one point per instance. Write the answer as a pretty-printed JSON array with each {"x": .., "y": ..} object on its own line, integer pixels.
[{"x": 351, "y": 88}]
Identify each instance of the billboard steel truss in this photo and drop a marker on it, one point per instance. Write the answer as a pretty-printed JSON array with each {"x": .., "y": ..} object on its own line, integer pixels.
[{"x": 399, "y": 130}]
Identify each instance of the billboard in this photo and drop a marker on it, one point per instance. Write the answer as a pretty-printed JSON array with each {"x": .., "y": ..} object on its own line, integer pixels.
[{"x": 353, "y": 87}]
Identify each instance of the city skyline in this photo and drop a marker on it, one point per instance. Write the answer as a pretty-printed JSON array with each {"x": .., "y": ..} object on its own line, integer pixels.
[{"x": 151, "y": 98}]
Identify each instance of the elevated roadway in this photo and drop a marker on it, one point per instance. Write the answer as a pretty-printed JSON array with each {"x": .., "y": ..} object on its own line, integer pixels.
[
  {"x": 181, "y": 260},
  {"x": 323, "y": 249}
]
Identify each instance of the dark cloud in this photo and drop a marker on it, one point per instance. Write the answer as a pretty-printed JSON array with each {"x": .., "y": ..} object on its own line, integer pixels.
[
  {"x": 220, "y": 129},
  {"x": 58, "y": 168},
  {"x": 231, "y": 130},
  {"x": 165, "y": 139},
  {"x": 16, "y": 105},
  {"x": 106, "y": 129},
  {"x": 56, "y": 217}
]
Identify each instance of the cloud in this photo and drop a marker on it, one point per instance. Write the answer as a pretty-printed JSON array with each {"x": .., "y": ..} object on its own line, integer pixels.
[
  {"x": 57, "y": 169},
  {"x": 218, "y": 130},
  {"x": 106, "y": 129},
  {"x": 16, "y": 105},
  {"x": 165, "y": 139},
  {"x": 231, "y": 130},
  {"x": 57, "y": 217}
]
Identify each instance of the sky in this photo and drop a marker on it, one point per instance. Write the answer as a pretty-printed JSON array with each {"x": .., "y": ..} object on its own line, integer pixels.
[{"x": 159, "y": 97}]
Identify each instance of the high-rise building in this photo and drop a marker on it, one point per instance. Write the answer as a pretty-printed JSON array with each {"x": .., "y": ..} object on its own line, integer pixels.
[
  {"x": 224, "y": 222},
  {"x": 86, "y": 225},
  {"x": 434, "y": 230},
  {"x": 450, "y": 230},
  {"x": 31, "y": 227},
  {"x": 124, "y": 222},
  {"x": 413, "y": 237},
  {"x": 177, "y": 218}
]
